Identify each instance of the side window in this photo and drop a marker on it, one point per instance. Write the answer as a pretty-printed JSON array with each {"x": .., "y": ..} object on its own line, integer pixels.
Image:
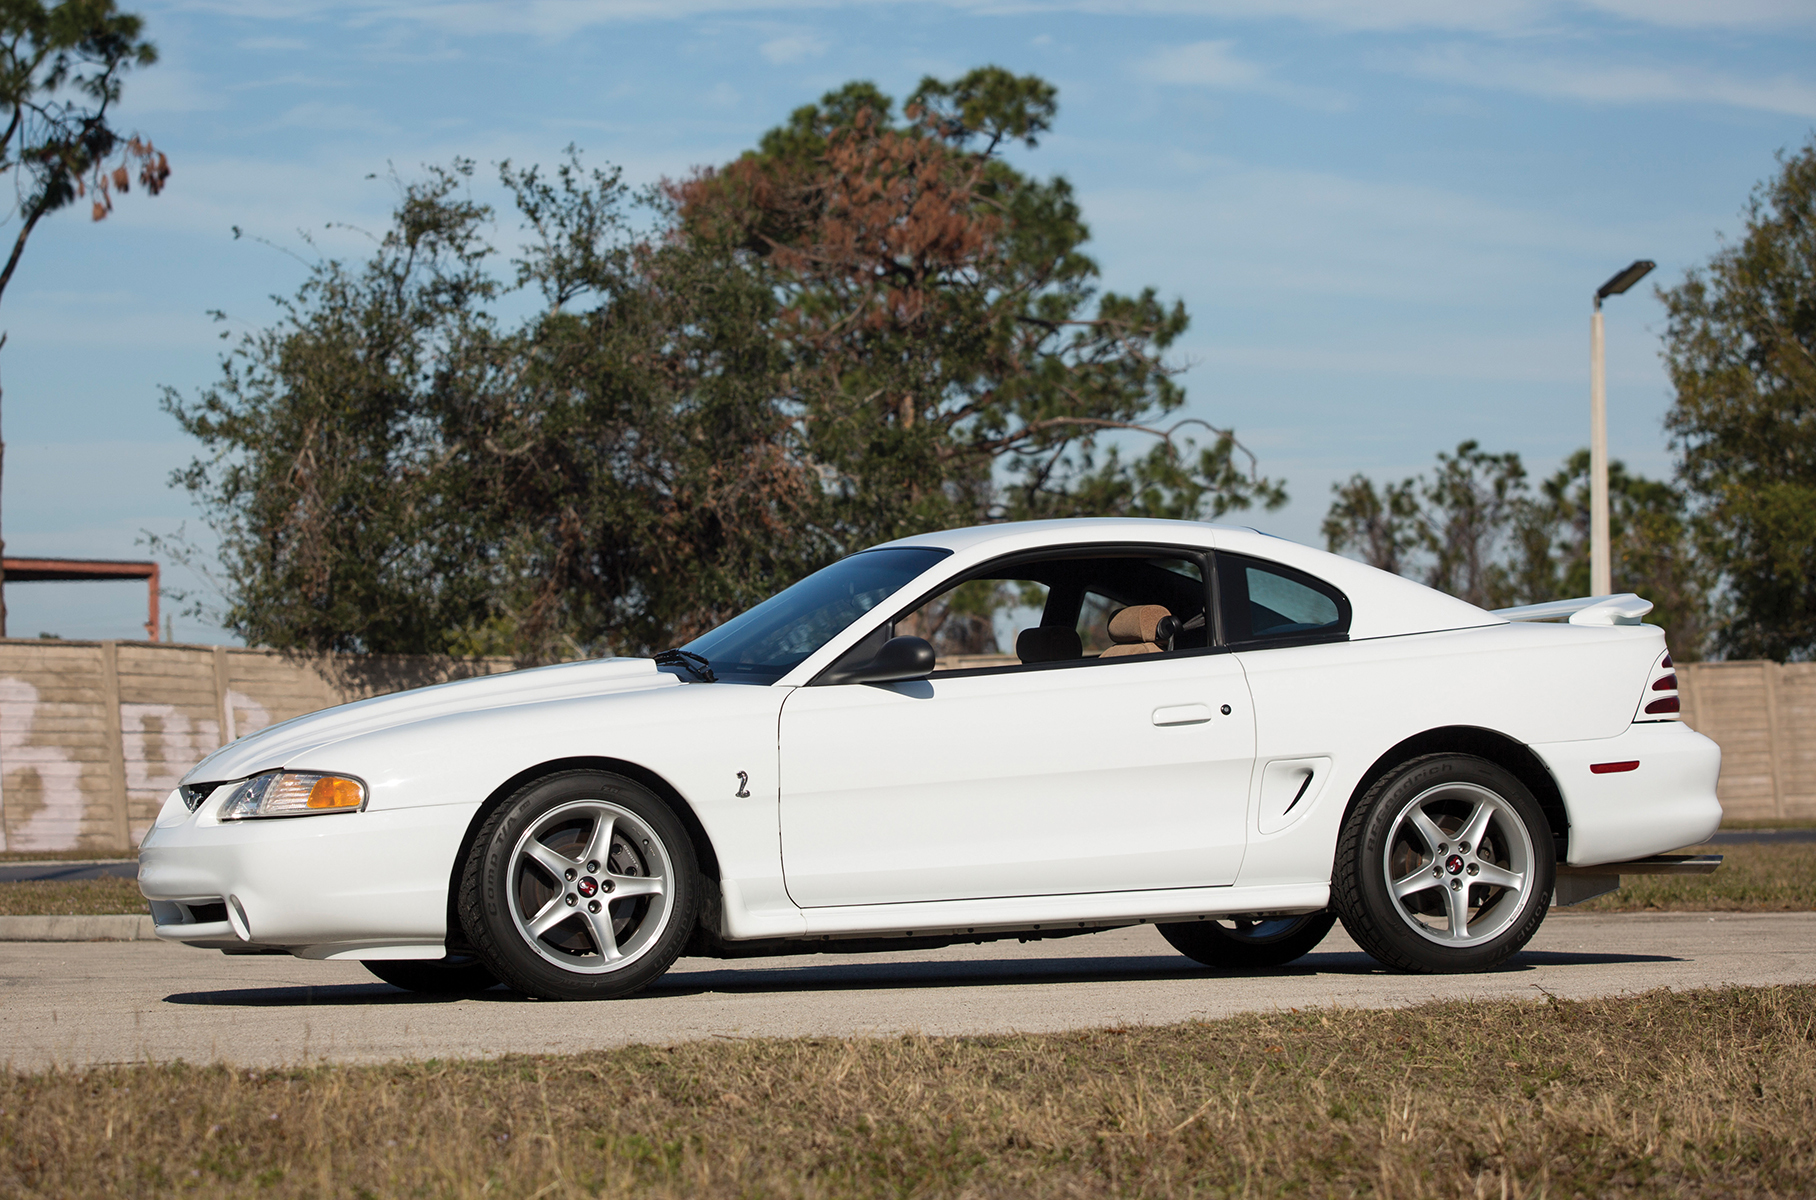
[
  {"x": 1063, "y": 610},
  {"x": 1262, "y": 601}
]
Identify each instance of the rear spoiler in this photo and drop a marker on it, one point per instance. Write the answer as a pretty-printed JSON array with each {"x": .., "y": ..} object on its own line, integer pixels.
[{"x": 1623, "y": 609}]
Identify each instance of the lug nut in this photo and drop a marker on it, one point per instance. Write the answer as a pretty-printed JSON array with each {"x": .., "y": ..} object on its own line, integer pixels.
[
  {"x": 1437, "y": 872},
  {"x": 606, "y": 885},
  {"x": 1443, "y": 847},
  {"x": 1463, "y": 846},
  {"x": 592, "y": 868},
  {"x": 1474, "y": 870},
  {"x": 592, "y": 906},
  {"x": 572, "y": 899},
  {"x": 568, "y": 874},
  {"x": 1456, "y": 885}
]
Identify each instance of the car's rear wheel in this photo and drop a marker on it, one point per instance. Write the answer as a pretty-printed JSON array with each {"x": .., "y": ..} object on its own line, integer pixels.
[
  {"x": 582, "y": 886},
  {"x": 1249, "y": 943},
  {"x": 456, "y": 975},
  {"x": 1446, "y": 866}
]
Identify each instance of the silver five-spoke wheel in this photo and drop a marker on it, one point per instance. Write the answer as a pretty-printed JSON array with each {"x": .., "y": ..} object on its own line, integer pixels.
[
  {"x": 583, "y": 885},
  {"x": 1459, "y": 859},
  {"x": 590, "y": 886},
  {"x": 1445, "y": 864}
]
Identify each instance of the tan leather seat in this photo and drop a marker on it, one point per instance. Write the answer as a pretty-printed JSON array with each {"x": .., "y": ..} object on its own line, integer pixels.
[
  {"x": 1048, "y": 643},
  {"x": 1141, "y": 629}
]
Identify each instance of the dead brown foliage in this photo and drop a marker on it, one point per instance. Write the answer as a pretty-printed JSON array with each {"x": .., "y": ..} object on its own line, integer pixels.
[{"x": 1703, "y": 1093}]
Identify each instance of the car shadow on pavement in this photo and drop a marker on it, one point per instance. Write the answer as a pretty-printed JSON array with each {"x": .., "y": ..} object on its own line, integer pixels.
[
  {"x": 835, "y": 976},
  {"x": 327, "y": 996},
  {"x": 839, "y": 976}
]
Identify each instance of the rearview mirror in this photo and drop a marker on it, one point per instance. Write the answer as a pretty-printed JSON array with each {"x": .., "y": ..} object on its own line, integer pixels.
[{"x": 900, "y": 658}]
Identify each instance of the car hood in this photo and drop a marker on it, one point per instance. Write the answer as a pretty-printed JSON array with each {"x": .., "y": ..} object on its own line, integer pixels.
[{"x": 285, "y": 743}]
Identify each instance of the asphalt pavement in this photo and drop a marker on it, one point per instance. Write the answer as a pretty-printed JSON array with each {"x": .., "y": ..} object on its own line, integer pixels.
[
  {"x": 70, "y": 1004},
  {"x": 100, "y": 868}
]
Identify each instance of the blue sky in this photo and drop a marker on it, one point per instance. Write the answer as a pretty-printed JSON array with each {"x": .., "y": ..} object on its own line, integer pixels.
[{"x": 1386, "y": 219}]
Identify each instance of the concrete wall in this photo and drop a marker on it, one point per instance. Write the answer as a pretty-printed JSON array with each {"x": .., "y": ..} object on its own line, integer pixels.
[
  {"x": 93, "y": 735},
  {"x": 1764, "y": 716}
]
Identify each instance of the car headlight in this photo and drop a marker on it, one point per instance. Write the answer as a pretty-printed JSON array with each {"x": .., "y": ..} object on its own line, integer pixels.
[{"x": 292, "y": 794}]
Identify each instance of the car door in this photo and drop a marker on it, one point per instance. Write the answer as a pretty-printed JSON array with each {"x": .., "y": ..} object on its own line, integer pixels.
[
  {"x": 1289, "y": 630},
  {"x": 1085, "y": 775}
]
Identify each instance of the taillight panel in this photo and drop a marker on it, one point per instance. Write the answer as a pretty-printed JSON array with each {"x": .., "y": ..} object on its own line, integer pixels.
[{"x": 1660, "y": 700}]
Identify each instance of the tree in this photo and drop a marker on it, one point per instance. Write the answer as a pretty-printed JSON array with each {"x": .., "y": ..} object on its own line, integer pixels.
[
  {"x": 392, "y": 469},
  {"x": 1458, "y": 521},
  {"x": 1740, "y": 344},
  {"x": 860, "y": 330},
  {"x": 954, "y": 360},
  {"x": 1653, "y": 549},
  {"x": 60, "y": 70},
  {"x": 1475, "y": 529}
]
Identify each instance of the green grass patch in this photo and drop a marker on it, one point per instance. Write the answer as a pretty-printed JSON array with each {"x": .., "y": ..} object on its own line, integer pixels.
[{"x": 1659, "y": 1094}]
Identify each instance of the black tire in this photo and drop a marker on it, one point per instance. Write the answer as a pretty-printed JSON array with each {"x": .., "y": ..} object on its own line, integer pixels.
[
  {"x": 454, "y": 976},
  {"x": 546, "y": 922},
  {"x": 1246, "y": 943},
  {"x": 1498, "y": 888}
]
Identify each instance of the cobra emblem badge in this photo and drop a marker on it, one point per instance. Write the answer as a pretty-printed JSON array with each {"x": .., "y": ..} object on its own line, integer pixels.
[{"x": 743, "y": 785}]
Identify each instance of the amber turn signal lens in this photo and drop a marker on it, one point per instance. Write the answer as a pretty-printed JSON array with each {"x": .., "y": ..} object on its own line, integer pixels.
[{"x": 333, "y": 792}]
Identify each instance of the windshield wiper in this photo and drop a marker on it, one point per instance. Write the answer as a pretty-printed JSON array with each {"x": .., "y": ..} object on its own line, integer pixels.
[{"x": 687, "y": 660}]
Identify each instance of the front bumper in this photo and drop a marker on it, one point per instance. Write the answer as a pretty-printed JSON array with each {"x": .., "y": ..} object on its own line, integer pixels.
[
  {"x": 1666, "y": 802},
  {"x": 353, "y": 885}
]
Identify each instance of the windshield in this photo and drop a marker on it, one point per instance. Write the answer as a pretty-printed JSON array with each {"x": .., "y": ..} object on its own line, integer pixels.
[{"x": 766, "y": 642}]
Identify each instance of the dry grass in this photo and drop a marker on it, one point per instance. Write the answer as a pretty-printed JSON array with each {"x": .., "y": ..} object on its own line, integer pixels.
[
  {"x": 1761, "y": 877},
  {"x": 71, "y": 898},
  {"x": 1705, "y": 1093}
]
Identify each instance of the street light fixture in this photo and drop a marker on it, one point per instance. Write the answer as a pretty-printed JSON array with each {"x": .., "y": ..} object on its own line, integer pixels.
[{"x": 1601, "y": 572}]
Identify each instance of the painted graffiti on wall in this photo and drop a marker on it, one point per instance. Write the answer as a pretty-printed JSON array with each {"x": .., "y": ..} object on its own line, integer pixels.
[
  {"x": 40, "y": 782},
  {"x": 159, "y": 743}
]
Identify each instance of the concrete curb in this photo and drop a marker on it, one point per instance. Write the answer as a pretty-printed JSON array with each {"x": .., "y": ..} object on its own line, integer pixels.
[{"x": 123, "y": 928}]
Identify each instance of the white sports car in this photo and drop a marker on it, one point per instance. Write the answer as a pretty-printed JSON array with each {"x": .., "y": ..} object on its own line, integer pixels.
[{"x": 1230, "y": 736}]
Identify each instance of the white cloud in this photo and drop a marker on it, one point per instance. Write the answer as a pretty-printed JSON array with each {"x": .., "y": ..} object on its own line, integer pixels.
[
  {"x": 1705, "y": 14},
  {"x": 1214, "y": 64},
  {"x": 557, "y": 18},
  {"x": 1607, "y": 83},
  {"x": 273, "y": 43},
  {"x": 348, "y": 118},
  {"x": 1207, "y": 64},
  {"x": 793, "y": 48}
]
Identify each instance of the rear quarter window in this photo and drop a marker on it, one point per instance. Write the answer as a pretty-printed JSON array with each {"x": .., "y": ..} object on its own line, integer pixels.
[{"x": 1266, "y": 602}]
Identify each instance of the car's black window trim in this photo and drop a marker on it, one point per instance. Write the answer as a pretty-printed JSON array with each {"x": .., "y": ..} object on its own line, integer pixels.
[
  {"x": 1345, "y": 613},
  {"x": 1199, "y": 554}
]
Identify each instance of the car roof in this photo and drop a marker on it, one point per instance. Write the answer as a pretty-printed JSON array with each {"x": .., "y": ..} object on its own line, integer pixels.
[{"x": 1383, "y": 604}]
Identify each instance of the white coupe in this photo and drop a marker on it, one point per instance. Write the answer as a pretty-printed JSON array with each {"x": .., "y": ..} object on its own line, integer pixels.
[{"x": 1233, "y": 737}]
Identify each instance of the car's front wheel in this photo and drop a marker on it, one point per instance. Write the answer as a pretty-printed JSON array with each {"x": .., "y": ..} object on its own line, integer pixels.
[
  {"x": 1249, "y": 943},
  {"x": 582, "y": 886},
  {"x": 1446, "y": 866}
]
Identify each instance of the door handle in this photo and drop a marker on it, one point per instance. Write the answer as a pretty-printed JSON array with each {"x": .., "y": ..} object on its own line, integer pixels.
[{"x": 1182, "y": 714}]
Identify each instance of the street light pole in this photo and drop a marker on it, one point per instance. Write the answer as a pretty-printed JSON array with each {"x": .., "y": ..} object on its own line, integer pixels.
[{"x": 1601, "y": 558}]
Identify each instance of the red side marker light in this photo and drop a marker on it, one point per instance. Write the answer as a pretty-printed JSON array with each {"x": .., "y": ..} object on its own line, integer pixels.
[
  {"x": 1664, "y": 705},
  {"x": 1611, "y": 768}
]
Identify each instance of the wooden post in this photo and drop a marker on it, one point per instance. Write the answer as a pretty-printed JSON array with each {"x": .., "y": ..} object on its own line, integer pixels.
[
  {"x": 116, "y": 743},
  {"x": 223, "y": 703}
]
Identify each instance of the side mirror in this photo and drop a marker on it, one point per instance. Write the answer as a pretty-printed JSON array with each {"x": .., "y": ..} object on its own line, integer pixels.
[{"x": 900, "y": 658}]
